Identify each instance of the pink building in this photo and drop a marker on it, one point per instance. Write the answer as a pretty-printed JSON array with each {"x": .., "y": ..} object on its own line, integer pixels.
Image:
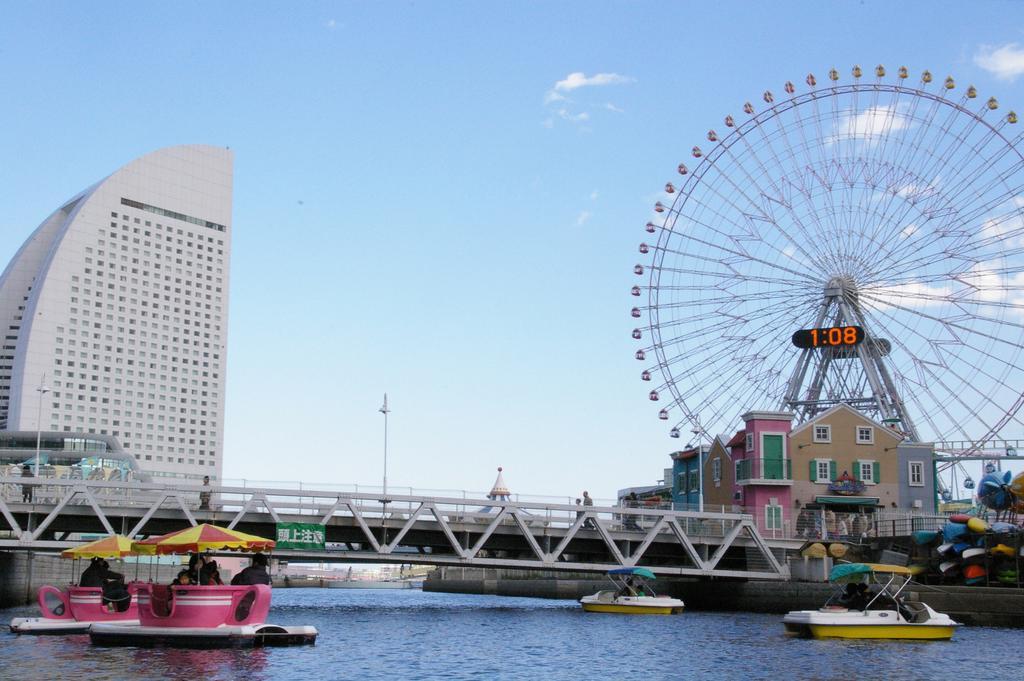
[{"x": 764, "y": 469}]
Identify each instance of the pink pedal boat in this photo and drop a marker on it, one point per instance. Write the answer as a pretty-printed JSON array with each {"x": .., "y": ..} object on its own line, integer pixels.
[
  {"x": 202, "y": 616},
  {"x": 73, "y": 609}
]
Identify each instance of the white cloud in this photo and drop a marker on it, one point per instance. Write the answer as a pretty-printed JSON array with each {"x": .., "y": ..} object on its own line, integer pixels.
[
  {"x": 573, "y": 118},
  {"x": 909, "y": 231},
  {"x": 331, "y": 24},
  {"x": 579, "y": 79},
  {"x": 574, "y": 81},
  {"x": 1007, "y": 227},
  {"x": 593, "y": 195},
  {"x": 1006, "y": 62},
  {"x": 553, "y": 96},
  {"x": 870, "y": 125},
  {"x": 582, "y": 217},
  {"x": 548, "y": 123}
]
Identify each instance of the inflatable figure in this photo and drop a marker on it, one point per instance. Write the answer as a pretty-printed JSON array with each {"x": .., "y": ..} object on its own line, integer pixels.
[
  {"x": 1017, "y": 489},
  {"x": 994, "y": 491}
]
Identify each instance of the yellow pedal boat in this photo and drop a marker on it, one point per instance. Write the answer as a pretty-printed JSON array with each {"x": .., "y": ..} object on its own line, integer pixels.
[
  {"x": 632, "y": 595},
  {"x": 855, "y": 611}
]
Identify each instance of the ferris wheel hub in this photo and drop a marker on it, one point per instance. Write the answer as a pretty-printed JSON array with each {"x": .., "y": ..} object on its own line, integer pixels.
[{"x": 842, "y": 286}]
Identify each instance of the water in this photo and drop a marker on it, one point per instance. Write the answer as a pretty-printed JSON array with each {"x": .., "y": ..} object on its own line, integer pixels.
[{"x": 408, "y": 634}]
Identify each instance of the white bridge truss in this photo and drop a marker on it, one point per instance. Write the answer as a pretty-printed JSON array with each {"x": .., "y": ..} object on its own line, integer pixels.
[{"x": 364, "y": 527}]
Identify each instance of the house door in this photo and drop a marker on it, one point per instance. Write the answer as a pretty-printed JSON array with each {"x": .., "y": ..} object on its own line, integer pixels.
[{"x": 771, "y": 458}]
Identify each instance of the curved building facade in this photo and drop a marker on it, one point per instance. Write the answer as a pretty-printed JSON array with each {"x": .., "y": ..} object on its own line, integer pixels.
[
  {"x": 118, "y": 303},
  {"x": 73, "y": 456}
]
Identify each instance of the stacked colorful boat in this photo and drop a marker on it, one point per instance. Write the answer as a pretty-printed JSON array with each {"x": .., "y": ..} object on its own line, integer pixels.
[{"x": 973, "y": 551}]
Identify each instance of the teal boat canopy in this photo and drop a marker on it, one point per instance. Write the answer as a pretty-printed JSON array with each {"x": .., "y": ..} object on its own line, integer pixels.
[
  {"x": 849, "y": 572},
  {"x": 639, "y": 571}
]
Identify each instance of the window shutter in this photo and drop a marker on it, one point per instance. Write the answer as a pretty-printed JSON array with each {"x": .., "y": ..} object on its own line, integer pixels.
[
  {"x": 857, "y": 472},
  {"x": 832, "y": 470},
  {"x": 876, "y": 472},
  {"x": 814, "y": 470}
]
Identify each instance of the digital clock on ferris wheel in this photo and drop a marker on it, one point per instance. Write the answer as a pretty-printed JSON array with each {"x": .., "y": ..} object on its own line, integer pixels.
[{"x": 829, "y": 337}]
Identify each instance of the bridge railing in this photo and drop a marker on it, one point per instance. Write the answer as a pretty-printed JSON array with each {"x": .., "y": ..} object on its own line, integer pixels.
[
  {"x": 316, "y": 503},
  {"x": 313, "y": 502},
  {"x": 371, "y": 526}
]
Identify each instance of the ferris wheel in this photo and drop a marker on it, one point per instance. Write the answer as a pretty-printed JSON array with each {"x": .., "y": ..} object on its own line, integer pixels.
[{"x": 858, "y": 241}]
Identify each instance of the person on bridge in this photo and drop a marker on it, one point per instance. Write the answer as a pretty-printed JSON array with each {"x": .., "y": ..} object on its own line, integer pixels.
[
  {"x": 588, "y": 501},
  {"x": 204, "y": 495},
  {"x": 26, "y": 490},
  {"x": 254, "y": 574}
]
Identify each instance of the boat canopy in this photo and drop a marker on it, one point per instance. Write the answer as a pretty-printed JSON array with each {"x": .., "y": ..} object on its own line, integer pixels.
[
  {"x": 852, "y": 571},
  {"x": 639, "y": 571},
  {"x": 113, "y": 546}
]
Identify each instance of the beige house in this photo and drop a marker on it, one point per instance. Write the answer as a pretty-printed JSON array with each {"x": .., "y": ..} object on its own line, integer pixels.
[
  {"x": 720, "y": 475},
  {"x": 844, "y": 459}
]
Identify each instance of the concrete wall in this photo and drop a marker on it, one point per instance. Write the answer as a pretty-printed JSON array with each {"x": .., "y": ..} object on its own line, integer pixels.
[{"x": 982, "y": 606}]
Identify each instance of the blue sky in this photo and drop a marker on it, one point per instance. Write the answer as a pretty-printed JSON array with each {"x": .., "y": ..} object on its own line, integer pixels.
[{"x": 420, "y": 208}]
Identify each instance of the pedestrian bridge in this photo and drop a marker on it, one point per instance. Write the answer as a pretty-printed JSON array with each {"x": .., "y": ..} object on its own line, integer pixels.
[{"x": 402, "y": 528}]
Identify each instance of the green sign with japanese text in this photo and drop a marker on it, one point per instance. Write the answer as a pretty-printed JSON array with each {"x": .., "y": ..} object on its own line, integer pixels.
[{"x": 300, "y": 536}]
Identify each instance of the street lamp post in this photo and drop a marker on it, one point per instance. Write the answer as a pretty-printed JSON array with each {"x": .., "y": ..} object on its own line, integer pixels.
[
  {"x": 384, "y": 410},
  {"x": 699, "y": 432},
  {"x": 39, "y": 419},
  {"x": 384, "y": 502}
]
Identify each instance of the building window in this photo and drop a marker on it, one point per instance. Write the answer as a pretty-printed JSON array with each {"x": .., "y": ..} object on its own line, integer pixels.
[
  {"x": 823, "y": 433},
  {"x": 916, "y": 473},
  {"x": 716, "y": 470},
  {"x": 865, "y": 435},
  {"x": 822, "y": 470},
  {"x": 738, "y": 471},
  {"x": 694, "y": 485},
  {"x": 773, "y": 516},
  {"x": 866, "y": 472},
  {"x": 750, "y": 442}
]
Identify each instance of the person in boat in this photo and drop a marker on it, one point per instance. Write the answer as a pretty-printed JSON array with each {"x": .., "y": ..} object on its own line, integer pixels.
[
  {"x": 254, "y": 574},
  {"x": 93, "y": 576},
  {"x": 209, "y": 574},
  {"x": 628, "y": 588},
  {"x": 184, "y": 578},
  {"x": 115, "y": 594},
  {"x": 855, "y": 597}
]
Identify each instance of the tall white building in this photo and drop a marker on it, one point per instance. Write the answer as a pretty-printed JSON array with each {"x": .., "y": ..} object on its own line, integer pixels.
[{"x": 118, "y": 302}]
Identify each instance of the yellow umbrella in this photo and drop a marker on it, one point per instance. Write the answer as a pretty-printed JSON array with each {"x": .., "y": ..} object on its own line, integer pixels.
[
  {"x": 204, "y": 537},
  {"x": 114, "y": 546}
]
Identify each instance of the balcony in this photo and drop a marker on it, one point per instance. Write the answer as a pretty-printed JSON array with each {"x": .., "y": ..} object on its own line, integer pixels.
[{"x": 770, "y": 472}]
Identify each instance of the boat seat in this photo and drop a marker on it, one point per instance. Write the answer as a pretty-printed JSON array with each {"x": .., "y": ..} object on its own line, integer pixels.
[
  {"x": 160, "y": 596},
  {"x": 915, "y": 612}
]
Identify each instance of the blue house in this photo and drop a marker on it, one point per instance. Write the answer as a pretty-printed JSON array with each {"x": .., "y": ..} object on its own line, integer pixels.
[{"x": 686, "y": 467}]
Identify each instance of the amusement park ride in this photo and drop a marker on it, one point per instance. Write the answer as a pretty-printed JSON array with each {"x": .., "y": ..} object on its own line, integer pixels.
[{"x": 860, "y": 241}]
